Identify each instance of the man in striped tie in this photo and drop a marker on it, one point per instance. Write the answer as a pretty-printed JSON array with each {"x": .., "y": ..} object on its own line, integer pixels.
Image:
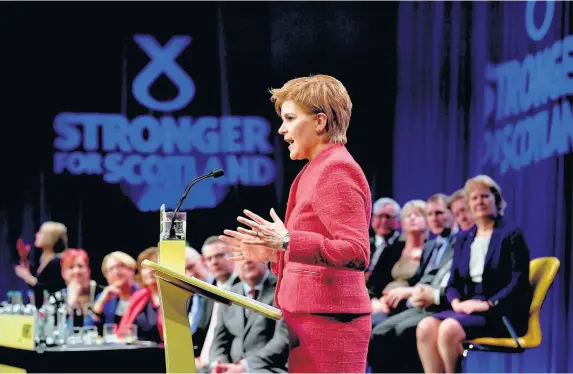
[{"x": 245, "y": 341}]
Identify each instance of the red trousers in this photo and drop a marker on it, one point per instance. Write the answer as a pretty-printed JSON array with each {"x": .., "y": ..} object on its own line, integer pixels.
[{"x": 327, "y": 343}]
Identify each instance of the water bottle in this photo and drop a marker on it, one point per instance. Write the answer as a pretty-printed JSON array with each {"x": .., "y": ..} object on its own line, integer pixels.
[
  {"x": 62, "y": 325},
  {"x": 17, "y": 303},
  {"x": 41, "y": 317},
  {"x": 46, "y": 297},
  {"x": 9, "y": 306},
  {"x": 29, "y": 310},
  {"x": 50, "y": 326},
  {"x": 32, "y": 299},
  {"x": 39, "y": 336}
]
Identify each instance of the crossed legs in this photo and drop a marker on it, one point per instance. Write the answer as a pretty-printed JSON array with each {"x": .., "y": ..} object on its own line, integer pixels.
[{"x": 439, "y": 344}]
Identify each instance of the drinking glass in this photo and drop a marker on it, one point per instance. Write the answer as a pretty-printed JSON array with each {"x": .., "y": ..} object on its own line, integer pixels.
[{"x": 109, "y": 335}]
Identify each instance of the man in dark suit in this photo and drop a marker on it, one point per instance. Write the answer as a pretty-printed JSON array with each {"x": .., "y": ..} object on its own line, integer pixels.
[
  {"x": 384, "y": 248},
  {"x": 203, "y": 322},
  {"x": 246, "y": 341},
  {"x": 396, "y": 336},
  {"x": 195, "y": 267},
  {"x": 459, "y": 207}
]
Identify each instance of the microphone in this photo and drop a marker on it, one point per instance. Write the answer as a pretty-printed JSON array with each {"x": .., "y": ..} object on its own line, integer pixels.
[{"x": 215, "y": 174}]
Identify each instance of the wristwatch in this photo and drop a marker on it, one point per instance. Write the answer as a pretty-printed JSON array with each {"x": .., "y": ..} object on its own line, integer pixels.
[{"x": 286, "y": 241}]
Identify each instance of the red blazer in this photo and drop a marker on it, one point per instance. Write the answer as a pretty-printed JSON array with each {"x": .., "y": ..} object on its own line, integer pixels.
[
  {"x": 137, "y": 302},
  {"x": 328, "y": 215}
]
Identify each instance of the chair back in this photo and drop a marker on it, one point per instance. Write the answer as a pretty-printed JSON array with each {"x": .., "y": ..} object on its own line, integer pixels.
[{"x": 542, "y": 272}]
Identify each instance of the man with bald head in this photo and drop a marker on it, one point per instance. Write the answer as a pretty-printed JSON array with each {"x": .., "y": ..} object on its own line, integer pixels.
[{"x": 195, "y": 265}]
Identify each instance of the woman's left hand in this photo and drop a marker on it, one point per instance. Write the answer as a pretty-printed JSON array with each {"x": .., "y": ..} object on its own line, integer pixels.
[{"x": 263, "y": 233}]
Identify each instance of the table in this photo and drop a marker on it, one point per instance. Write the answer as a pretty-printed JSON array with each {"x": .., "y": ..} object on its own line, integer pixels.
[{"x": 138, "y": 357}]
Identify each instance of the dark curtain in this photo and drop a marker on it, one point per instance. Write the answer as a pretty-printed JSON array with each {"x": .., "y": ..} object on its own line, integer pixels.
[{"x": 443, "y": 127}]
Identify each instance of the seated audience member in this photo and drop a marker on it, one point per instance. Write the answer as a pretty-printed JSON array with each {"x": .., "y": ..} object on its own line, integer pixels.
[
  {"x": 246, "y": 342},
  {"x": 396, "y": 336},
  {"x": 414, "y": 232},
  {"x": 459, "y": 207},
  {"x": 46, "y": 274},
  {"x": 384, "y": 248},
  {"x": 440, "y": 222},
  {"x": 489, "y": 279},
  {"x": 118, "y": 268},
  {"x": 215, "y": 257},
  {"x": 80, "y": 290},
  {"x": 143, "y": 308},
  {"x": 195, "y": 267}
]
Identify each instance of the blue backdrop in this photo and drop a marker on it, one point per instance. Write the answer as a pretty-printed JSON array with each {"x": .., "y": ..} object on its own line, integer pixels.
[
  {"x": 486, "y": 88},
  {"x": 237, "y": 51}
]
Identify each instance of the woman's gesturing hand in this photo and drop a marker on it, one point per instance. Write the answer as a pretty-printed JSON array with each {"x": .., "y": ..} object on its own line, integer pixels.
[{"x": 259, "y": 243}]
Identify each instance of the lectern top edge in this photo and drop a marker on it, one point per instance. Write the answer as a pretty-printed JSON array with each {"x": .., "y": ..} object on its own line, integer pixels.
[{"x": 210, "y": 291}]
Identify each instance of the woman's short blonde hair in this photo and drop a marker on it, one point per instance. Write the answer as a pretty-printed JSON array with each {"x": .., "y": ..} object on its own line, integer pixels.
[
  {"x": 150, "y": 253},
  {"x": 56, "y": 231},
  {"x": 122, "y": 257},
  {"x": 415, "y": 205},
  {"x": 319, "y": 94},
  {"x": 487, "y": 182}
]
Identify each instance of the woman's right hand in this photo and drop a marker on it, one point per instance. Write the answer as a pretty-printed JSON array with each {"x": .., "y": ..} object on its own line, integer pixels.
[
  {"x": 106, "y": 295},
  {"x": 457, "y": 307},
  {"x": 23, "y": 249},
  {"x": 470, "y": 306},
  {"x": 109, "y": 292},
  {"x": 245, "y": 252}
]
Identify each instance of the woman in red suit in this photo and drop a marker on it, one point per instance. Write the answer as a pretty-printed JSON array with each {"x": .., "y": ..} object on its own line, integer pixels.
[{"x": 321, "y": 251}]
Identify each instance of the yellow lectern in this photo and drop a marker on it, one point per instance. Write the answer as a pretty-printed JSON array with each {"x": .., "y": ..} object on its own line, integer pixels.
[{"x": 175, "y": 288}]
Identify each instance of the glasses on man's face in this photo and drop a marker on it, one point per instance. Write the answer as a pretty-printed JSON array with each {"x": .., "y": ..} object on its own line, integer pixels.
[
  {"x": 436, "y": 213},
  {"x": 215, "y": 256},
  {"x": 383, "y": 215}
]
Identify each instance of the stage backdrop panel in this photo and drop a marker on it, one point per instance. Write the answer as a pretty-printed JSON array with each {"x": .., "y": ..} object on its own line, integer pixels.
[{"x": 487, "y": 88}]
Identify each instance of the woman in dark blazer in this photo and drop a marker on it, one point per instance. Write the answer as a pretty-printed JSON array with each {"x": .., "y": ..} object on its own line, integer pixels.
[{"x": 489, "y": 279}]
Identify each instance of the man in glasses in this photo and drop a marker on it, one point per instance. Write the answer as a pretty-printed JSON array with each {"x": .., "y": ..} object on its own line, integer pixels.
[
  {"x": 424, "y": 296},
  {"x": 385, "y": 225},
  {"x": 215, "y": 259}
]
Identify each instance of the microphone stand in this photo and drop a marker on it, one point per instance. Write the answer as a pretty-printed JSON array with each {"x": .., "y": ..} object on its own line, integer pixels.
[{"x": 214, "y": 173}]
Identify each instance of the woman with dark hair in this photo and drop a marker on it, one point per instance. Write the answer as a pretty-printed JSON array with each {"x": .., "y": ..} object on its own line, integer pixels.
[
  {"x": 489, "y": 279},
  {"x": 46, "y": 275}
]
